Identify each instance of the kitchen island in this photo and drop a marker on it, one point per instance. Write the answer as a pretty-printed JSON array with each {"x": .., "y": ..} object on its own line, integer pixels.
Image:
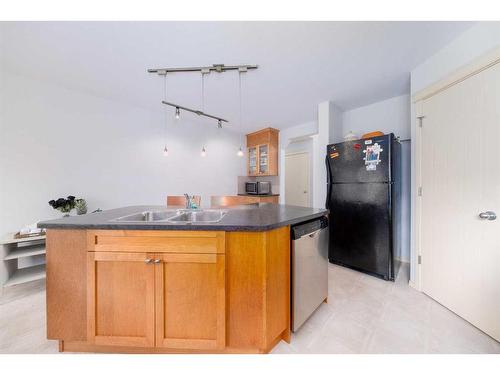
[{"x": 121, "y": 281}]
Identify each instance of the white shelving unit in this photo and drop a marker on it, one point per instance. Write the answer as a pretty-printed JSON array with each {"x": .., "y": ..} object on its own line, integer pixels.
[{"x": 15, "y": 250}]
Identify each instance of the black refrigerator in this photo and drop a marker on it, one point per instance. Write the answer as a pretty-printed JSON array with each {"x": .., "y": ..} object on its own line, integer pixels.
[{"x": 363, "y": 196}]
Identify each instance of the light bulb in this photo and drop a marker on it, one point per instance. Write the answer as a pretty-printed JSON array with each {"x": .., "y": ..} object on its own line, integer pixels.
[
  {"x": 219, "y": 124},
  {"x": 165, "y": 151},
  {"x": 177, "y": 113},
  {"x": 240, "y": 152},
  {"x": 203, "y": 152}
]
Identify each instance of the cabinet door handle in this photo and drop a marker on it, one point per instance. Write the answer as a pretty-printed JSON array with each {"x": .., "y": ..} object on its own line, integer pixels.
[
  {"x": 148, "y": 261},
  {"x": 156, "y": 261}
]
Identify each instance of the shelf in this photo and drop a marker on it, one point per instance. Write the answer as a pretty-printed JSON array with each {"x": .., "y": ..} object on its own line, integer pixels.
[
  {"x": 24, "y": 275},
  {"x": 10, "y": 239},
  {"x": 26, "y": 251}
]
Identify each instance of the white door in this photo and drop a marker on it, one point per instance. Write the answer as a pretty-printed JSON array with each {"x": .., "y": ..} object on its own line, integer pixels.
[
  {"x": 460, "y": 178},
  {"x": 297, "y": 179}
]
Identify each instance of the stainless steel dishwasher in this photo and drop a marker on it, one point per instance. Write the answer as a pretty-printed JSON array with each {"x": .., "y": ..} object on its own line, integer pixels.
[{"x": 309, "y": 269}]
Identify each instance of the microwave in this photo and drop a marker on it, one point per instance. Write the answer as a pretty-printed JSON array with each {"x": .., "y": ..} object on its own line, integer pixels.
[{"x": 258, "y": 187}]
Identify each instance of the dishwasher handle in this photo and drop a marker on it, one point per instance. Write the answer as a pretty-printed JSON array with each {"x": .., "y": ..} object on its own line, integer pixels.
[
  {"x": 313, "y": 234},
  {"x": 310, "y": 228}
]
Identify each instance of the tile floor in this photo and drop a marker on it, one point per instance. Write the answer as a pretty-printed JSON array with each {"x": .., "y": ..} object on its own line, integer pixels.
[
  {"x": 364, "y": 315},
  {"x": 368, "y": 315}
]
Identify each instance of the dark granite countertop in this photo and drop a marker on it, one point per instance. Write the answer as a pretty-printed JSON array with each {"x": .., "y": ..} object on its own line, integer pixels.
[{"x": 250, "y": 218}]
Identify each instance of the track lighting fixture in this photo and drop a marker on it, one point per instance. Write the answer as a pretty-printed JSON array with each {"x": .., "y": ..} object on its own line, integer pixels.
[{"x": 204, "y": 70}]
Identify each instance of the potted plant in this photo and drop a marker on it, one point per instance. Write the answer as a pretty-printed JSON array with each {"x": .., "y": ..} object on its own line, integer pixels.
[
  {"x": 63, "y": 205},
  {"x": 81, "y": 206}
]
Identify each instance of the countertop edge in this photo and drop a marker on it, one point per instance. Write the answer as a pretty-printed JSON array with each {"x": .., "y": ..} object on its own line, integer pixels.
[{"x": 187, "y": 227}]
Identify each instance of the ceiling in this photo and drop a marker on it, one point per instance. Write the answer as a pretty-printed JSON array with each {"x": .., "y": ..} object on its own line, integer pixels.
[{"x": 300, "y": 63}]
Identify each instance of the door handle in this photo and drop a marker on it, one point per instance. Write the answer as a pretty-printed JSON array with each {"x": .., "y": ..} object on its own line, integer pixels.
[
  {"x": 148, "y": 261},
  {"x": 156, "y": 261},
  {"x": 488, "y": 215}
]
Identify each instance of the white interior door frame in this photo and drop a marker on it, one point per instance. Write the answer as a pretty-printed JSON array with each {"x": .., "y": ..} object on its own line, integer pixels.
[{"x": 476, "y": 66}]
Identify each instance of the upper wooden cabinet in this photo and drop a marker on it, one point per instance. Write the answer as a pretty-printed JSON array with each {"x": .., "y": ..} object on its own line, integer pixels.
[{"x": 262, "y": 152}]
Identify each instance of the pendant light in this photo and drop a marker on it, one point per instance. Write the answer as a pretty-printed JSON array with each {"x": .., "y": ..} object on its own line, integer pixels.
[
  {"x": 203, "y": 150},
  {"x": 240, "y": 151},
  {"x": 165, "y": 149}
]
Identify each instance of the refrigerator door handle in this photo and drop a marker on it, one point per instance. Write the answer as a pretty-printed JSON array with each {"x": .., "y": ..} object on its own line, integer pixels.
[{"x": 328, "y": 182}]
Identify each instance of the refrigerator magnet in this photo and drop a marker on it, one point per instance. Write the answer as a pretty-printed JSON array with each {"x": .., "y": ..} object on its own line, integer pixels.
[
  {"x": 372, "y": 156},
  {"x": 334, "y": 155}
]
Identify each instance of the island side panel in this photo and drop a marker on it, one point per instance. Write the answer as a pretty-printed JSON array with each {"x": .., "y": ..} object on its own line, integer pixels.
[
  {"x": 277, "y": 286},
  {"x": 245, "y": 290},
  {"x": 66, "y": 284},
  {"x": 258, "y": 289}
]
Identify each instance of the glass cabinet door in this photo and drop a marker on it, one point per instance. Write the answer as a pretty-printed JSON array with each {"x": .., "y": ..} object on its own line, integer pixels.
[
  {"x": 263, "y": 159},
  {"x": 252, "y": 160}
]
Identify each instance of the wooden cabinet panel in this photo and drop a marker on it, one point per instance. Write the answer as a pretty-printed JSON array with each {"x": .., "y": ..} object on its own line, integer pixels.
[
  {"x": 190, "y": 301},
  {"x": 236, "y": 200},
  {"x": 156, "y": 241},
  {"x": 246, "y": 264},
  {"x": 66, "y": 284},
  {"x": 273, "y": 199},
  {"x": 120, "y": 299},
  {"x": 258, "y": 289},
  {"x": 277, "y": 281},
  {"x": 262, "y": 152}
]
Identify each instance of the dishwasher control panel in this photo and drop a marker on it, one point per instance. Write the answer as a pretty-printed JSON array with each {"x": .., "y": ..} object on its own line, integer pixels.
[{"x": 309, "y": 227}]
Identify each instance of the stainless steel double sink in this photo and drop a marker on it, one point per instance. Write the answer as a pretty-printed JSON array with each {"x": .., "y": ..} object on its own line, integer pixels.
[{"x": 175, "y": 216}]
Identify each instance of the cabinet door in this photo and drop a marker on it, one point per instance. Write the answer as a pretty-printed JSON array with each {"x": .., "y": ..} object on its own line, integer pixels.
[
  {"x": 120, "y": 304},
  {"x": 190, "y": 301},
  {"x": 252, "y": 161},
  {"x": 264, "y": 159}
]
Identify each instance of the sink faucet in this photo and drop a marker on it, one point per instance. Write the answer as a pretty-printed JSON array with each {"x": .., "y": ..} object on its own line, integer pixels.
[{"x": 190, "y": 203}]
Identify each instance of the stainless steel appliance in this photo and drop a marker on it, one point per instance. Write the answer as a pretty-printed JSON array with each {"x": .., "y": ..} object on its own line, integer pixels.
[
  {"x": 309, "y": 269},
  {"x": 258, "y": 187}
]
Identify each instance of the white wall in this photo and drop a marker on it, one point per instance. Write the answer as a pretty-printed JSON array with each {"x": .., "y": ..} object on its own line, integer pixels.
[
  {"x": 336, "y": 132},
  {"x": 391, "y": 115},
  {"x": 473, "y": 43},
  {"x": 56, "y": 142}
]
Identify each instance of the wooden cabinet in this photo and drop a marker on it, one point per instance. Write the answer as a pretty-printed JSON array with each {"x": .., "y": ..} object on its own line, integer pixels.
[
  {"x": 190, "y": 301},
  {"x": 262, "y": 152},
  {"x": 160, "y": 299},
  {"x": 236, "y": 200},
  {"x": 162, "y": 291},
  {"x": 121, "y": 305}
]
